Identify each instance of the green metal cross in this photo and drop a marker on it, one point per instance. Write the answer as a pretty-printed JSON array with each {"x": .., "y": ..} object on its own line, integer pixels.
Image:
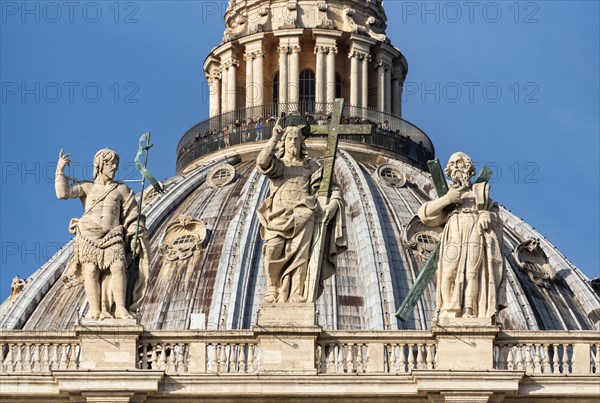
[
  {"x": 426, "y": 273},
  {"x": 333, "y": 131}
]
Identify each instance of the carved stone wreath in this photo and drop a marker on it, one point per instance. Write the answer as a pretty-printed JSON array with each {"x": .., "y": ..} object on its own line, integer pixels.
[{"x": 183, "y": 237}]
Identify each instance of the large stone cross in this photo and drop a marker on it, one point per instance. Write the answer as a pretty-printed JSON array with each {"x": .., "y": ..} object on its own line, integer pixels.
[
  {"x": 333, "y": 131},
  {"x": 426, "y": 273}
]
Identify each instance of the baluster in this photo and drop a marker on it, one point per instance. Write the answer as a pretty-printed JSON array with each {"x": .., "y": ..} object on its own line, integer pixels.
[
  {"x": 340, "y": 359},
  {"x": 330, "y": 358},
  {"x": 45, "y": 358},
  {"x": 19, "y": 359},
  {"x": 429, "y": 356},
  {"x": 145, "y": 356},
  {"x": 181, "y": 361},
  {"x": 519, "y": 353},
  {"x": 558, "y": 358},
  {"x": 318, "y": 355},
  {"x": 411, "y": 358},
  {"x": 10, "y": 359},
  {"x": 501, "y": 357},
  {"x": 26, "y": 357},
  {"x": 420, "y": 359},
  {"x": 567, "y": 360},
  {"x": 171, "y": 365},
  {"x": 353, "y": 355},
  {"x": 597, "y": 359},
  {"x": 345, "y": 353},
  {"x": 359, "y": 359},
  {"x": 510, "y": 358},
  {"x": 73, "y": 359},
  {"x": 153, "y": 358},
  {"x": 251, "y": 354},
  {"x": 392, "y": 359},
  {"x": 528, "y": 361},
  {"x": 220, "y": 355},
  {"x": 62, "y": 364},
  {"x": 162, "y": 360},
  {"x": 537, "y": 360},
  {"x": 35, "y": 358},
  {"x": 546, "y": 359},
  {"x": 402, "y": 358},
  {"x": 212, "y": 358},
  {"x": 241, "y": 358}
]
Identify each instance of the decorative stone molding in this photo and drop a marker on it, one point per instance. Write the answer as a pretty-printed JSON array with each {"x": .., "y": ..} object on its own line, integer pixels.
[
  {"x": 183, "y": 237},
  {"x": 322, "y": 20},
  {"x": 376, "y": 29},
  {"x": 231, "y": 62},
  {"x": 349, "y": 23},
  {"x": 359, "y": 55},
  {"x": 261, "y": 21},
  {"x": 235, "y": 29},
  {"x": 533, "y": 261},
  {"x": 290, "y": 15}
]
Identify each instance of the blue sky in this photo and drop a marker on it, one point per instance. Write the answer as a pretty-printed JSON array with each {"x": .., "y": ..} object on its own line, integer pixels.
[{"x": 514, "y": 84}]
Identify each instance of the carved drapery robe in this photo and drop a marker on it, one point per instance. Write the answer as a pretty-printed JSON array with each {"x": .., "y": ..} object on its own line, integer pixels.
[
  {"x": 471, "y": 261},
  {"x": 288, "y": 218}
]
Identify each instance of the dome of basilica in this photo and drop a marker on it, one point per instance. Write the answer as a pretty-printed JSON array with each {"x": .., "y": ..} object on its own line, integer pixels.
[
  {"x": 295, "y": 58},
  {"x": 206, "y": 269}
]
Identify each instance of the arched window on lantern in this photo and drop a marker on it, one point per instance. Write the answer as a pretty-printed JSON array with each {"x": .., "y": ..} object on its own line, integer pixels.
[
  {"x": 276, "y": 89},
  {"x": 338, "y": 86},
  {"x": 307, "y": 90}
]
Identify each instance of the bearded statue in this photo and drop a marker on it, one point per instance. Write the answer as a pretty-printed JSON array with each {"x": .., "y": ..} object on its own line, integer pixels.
[{"x": 471, "y": 279}]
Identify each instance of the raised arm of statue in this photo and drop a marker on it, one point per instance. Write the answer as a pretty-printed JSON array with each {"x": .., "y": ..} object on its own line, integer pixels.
[
  {"x": 266, "y": 155},
  {"x": 61, "y": 184}
]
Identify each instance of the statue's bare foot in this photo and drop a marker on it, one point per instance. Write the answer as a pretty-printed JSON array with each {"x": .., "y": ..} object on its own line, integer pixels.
[
  {"x": 468, "y": 313},
  {"x": 93, "y": 315},
  {"x": 296, "y": 298},
  {"x": 269, "y": 298},
  {"x": 106, "y": 315},
  {"x": 122, "y": 313}
]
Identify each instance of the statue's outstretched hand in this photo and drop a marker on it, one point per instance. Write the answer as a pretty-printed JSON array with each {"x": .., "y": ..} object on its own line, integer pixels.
[
  {"x": 277, "y": 130},
  {"x": 63, "y": 160}
]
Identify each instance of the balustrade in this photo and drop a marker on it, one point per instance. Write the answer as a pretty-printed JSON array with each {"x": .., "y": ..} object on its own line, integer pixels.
[{"x": 35, "y": 355}]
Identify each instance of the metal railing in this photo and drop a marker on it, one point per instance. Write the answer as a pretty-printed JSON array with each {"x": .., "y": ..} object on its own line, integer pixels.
[{"x": 241, "y": 126}]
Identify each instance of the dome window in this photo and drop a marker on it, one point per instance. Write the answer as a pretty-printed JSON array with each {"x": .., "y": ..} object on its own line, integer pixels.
[
  {"x": 151, "y": 195},
  {"x": 391, "y": 175},
  {"x": 221, "y": 176}
]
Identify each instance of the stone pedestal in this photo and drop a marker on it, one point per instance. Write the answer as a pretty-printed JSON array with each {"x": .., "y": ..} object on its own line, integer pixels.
[
  {"x": 286, "y": 335},
  {"x": 108, "y": 344},
  {"x": 465, "y": 344}
]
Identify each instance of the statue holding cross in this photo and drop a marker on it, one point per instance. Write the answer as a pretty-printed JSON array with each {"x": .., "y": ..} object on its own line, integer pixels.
[
  {"x": 303, "y": 218},
  {"x": 468, "y": 259}
]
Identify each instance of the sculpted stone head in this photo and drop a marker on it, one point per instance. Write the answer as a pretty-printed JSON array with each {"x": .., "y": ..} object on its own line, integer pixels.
[
  {"x": 292, "y": 143},
  {"x": 460, "y": 169},
  {"x": 106, "y": 162}
]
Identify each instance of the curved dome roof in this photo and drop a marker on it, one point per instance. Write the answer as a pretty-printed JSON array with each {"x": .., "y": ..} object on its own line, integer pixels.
[{"x": 209, "y": 274}]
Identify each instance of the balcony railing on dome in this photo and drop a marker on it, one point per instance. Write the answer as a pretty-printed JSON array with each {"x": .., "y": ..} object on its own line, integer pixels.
[{"x": 242, "y": 126}]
